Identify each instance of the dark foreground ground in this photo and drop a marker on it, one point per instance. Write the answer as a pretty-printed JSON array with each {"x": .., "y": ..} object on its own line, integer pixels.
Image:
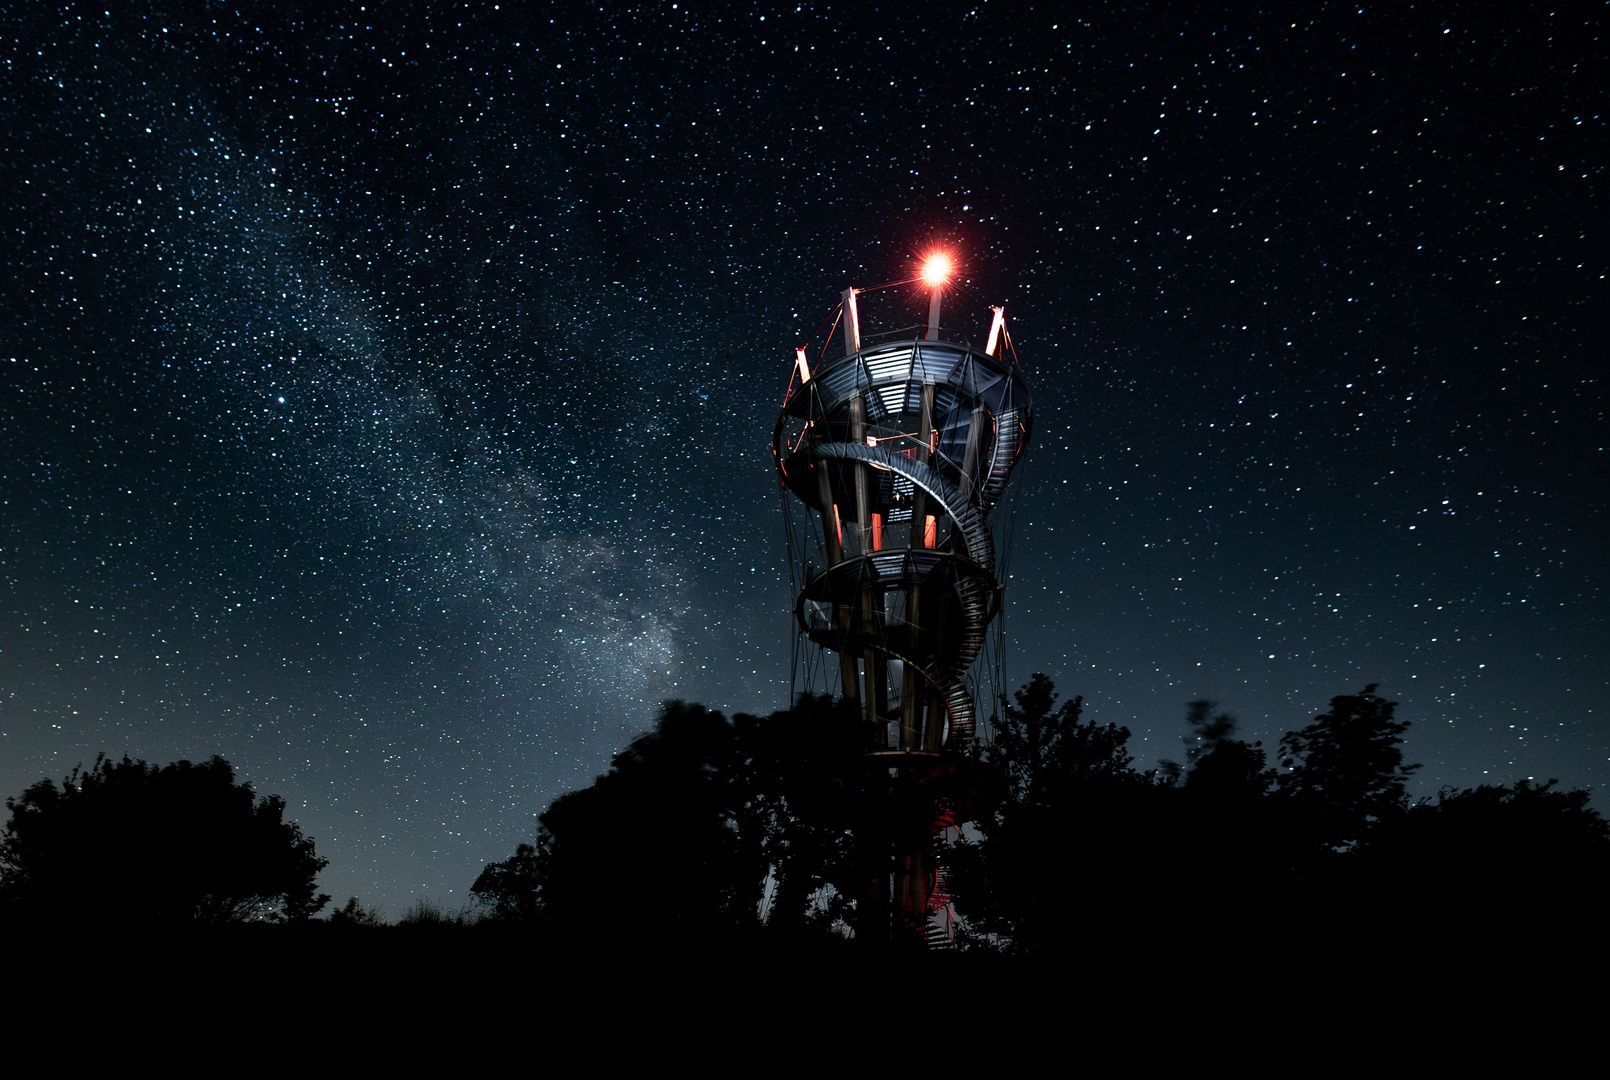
[
  {"x": 1358, "y": 950},
  {"x": 1288, "y": 990}
]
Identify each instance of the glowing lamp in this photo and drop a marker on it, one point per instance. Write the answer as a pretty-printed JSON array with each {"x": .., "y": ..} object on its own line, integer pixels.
[{"x": 936, "y": 270}]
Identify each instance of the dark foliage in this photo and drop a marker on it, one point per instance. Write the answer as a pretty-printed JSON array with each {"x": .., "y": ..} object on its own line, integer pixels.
[
  {"x": 1075, "y": 826},
  {"x": 1209, "y": 731},
  {"x": 677, "y": 840},
  {"x": 356, "y": 913},
  {"x": 1494, "y": 854},
  {"x": 1345, "y": 770},
  {"x": 131, "y": 843},
  {"x": 1225, "y": 836},
  {"x": 429, "y": 913},
  {"x": 651, "y": 849},
  {"x": 510, "y": 891},
  {"x": 1233, "y": 771},
  {"x": 798, "y": 784},
  {"x": 681, "y": 835},
  {"x": 1081, "y": 839}
]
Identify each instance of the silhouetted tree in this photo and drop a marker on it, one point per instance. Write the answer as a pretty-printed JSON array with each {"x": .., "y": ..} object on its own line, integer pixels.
[
  {"x": 680, "y": 835},
  {"x": 650, "y": 853},
  {"x": 1209, "y": 731},
  {"x": 1496, "y": 854},
  {"x": 510, "y": 891},
  {"x": 1076, "y": 827},
  {"x": 1041, "y": 747},
  {"x": 1222, "y": 769},
  {"x": 128, "y": 842},
  {"x": 356, "y": 913},
  {"x": 828, "y": 820},
  {"x": 1082, "y": 847},
  {"x": 796, "y": 784},
  {"x": 1224, "y": 836},
  {"x": 1345, "y": 770},
  {"x": 1233, "y": 770}
]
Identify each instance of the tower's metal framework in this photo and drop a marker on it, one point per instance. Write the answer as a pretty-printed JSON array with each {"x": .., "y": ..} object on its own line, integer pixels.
[{"x": 896, "y": 456}]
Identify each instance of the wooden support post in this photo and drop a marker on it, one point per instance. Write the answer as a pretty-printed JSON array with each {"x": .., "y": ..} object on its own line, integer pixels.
[
  {"x": 852, "y": 324},
  {"x": 910, "y": 895},
  {"x": 863, "y": 492},
  {"x": 933, "y": 736},
  {"x": 872, "y": 663},
  {"x": 975, "y": 432},
  {"x": 913, "y": 687},
  {"x": 833, "y": 554}
]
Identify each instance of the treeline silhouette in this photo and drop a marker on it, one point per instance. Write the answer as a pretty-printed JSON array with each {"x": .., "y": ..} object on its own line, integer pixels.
[
  {"x": 128, "y": 843},
  {"x": 707, "y": 832},
  {"x": 705, "y": 827},
  {"x": 677, "y": 839}
]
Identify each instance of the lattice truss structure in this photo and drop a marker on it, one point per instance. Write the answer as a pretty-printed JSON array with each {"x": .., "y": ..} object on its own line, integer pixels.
[{"x": 896, "y": 458}]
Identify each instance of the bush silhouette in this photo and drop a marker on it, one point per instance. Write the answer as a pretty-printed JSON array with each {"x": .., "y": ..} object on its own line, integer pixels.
[{"x": 131, "y": 843}]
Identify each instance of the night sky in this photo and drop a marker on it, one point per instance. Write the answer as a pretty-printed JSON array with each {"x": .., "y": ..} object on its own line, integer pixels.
[{"x": 386, "y": 392}]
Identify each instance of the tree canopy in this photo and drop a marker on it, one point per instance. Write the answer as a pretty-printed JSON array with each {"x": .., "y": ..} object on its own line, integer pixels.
[
  {"x": 1066, "y": 828},
  {"x": 1494, "y": 853},
  {"x": 649, "y": 849},
  {"x": 1082, "y": 846},
  {"x": 129, "y": 842},
  {"x": 1067, "y": 845},
  {"x": 689, "y": 824},
  {"x": 1345, "y": 771}
]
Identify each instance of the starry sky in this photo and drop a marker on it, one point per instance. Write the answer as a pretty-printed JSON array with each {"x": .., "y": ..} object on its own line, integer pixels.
[{"x": 386, "y": 389}]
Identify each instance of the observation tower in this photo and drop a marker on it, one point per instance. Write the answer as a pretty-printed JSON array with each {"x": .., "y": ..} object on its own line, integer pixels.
[{"x": 896, "y": 450}]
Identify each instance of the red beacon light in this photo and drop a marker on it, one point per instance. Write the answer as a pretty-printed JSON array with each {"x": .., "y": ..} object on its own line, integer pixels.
[{"x": 936, "y": 270}]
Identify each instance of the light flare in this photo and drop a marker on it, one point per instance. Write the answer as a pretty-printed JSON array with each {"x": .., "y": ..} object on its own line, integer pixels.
[{"x": 936, "y": 270}]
